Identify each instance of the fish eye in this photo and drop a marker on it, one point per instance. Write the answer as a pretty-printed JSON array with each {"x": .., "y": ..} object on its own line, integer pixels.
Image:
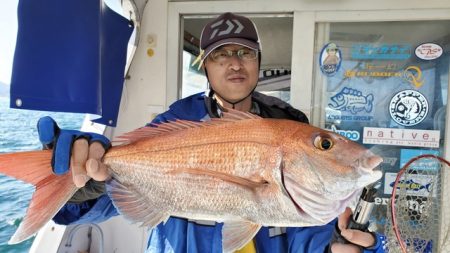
[{"x": 323, "y": 143}]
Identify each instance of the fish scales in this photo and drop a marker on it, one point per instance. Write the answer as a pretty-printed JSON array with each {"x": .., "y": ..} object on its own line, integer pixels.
[{"x": 242, "y": 155}]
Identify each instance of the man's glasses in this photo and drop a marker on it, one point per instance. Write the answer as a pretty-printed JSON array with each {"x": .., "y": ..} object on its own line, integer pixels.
[{"x": 223, "y": 55}]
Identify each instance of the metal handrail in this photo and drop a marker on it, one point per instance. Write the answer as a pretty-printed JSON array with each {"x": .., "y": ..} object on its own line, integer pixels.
[{"x": 77, "y": 227}]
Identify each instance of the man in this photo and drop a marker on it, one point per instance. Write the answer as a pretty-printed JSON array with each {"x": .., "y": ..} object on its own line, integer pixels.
[{"x": 231, "y": 61}]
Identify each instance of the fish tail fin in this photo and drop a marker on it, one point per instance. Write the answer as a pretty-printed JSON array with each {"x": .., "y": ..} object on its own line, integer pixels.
[{"x": 52, "y": 191}]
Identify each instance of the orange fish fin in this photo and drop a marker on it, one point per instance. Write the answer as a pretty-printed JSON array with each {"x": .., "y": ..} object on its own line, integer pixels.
[
  {"x": 223, "y": 176},
  {"x": 236, "y": 115},
  {"x": 52, "y": 191},
  {"x": 133, "y": 205},
  {"x": 236, "y": 234},
  {"x": 177, "y": 125},
  {"x": 156, "y": 130}
]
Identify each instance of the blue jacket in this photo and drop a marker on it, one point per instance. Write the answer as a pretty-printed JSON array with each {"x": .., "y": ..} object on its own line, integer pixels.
[{"x": 180, "y": 235}]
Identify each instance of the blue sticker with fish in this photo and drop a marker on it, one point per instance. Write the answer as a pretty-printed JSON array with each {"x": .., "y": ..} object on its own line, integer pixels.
[
  {"x": 411, "y": 185},
  {"x": 421, "y": 164},
  {"x": 415, "y": 185},
  {"x": 352, "y": 101},
  {"x": 330, "y": 59}
]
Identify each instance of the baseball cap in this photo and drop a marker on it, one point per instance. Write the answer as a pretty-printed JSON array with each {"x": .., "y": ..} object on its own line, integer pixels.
[{"x": 228, "y": 28}]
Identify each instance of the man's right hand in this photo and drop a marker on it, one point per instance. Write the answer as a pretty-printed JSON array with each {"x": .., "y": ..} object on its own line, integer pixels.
[{"x": 82, "y": 152}]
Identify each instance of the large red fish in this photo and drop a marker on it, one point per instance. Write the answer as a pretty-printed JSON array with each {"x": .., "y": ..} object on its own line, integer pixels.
[{"x": 244, "y": 171}]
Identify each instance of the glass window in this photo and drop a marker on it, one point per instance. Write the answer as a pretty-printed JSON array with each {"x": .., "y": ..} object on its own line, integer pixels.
[{"x": 384, "y": 85}]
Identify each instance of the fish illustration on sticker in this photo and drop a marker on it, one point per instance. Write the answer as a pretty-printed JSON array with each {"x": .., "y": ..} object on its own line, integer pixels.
[
  {"x": 351, "y": 100},
  {"x": 330, "y": 59},
  {"x": 412, "y": 185}
]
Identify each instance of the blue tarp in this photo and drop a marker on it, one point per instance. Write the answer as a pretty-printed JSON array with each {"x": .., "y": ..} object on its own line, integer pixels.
[{"x": 70, "y": 57}]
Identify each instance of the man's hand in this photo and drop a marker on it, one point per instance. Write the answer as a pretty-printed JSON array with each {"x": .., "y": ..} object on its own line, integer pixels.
[
  {"x": 86, "y": 162},
  {"x": 80, "y": 151},
  {"x": 357, "y": 238}
]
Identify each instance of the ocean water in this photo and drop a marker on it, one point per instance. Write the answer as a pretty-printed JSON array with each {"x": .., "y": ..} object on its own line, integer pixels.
[{"x": 18, "y": 133}]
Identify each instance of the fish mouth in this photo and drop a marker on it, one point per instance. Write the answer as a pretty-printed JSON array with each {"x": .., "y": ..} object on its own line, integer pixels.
[
  {"x": 331, "y": 200},
  {"x": 368, "y": 161},
  {"x": 319, "y": 207}
]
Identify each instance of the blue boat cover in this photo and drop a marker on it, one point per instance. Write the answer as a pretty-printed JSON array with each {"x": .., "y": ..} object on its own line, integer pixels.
[{"x": 70, "y": 57}]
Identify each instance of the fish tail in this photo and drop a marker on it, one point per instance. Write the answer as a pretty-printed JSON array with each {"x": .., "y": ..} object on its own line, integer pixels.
[{"x": 52, "y": 191}]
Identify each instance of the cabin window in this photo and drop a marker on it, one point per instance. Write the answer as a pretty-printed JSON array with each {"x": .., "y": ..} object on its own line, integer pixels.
[{"x": 275, "y": 72}]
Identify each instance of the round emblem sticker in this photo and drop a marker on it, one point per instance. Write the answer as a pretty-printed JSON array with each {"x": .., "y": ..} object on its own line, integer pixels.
[
  {"x": 330, "y": 59},
  {"x": 408, "y": 107},
  {"x": 428, "y": 51}
]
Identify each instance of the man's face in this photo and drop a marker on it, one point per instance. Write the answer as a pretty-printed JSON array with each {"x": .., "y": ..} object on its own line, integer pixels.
[{"x": 232, "y": 78}]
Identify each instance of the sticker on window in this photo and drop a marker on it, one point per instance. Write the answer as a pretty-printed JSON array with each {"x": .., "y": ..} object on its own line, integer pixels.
[
  {"x": 408, "y": 107},
  {"x": 330, "y": 59},
  {"x": 428, "y": 51}
]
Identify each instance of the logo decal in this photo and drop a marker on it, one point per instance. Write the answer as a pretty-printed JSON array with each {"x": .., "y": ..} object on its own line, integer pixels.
[
  {"x": 408, "y": 107},
  {"x": 428, "y": 51},
  {"x": 415, "y": 185},
  {"x": 351, "y": 100},
  {"x": 411, "y": 185},
  {"x": 401, "y": 137},
  {"x": 330, "y": 59},
  {"x": 422, "y": 164},
  {"x": 413, "y": 75},
  {"x": 382, "y": 52},
  {"x": 228, "y": 29},
  {"x": 350, "y": 134}
]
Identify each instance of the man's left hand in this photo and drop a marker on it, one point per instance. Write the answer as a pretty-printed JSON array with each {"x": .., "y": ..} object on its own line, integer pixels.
[{"x": 356, "y": 237}]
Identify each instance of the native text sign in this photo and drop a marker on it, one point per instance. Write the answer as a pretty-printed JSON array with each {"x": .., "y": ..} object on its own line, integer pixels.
[{"x": 401, "y": 137}]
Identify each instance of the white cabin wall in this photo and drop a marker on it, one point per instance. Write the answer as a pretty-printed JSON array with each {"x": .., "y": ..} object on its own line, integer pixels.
[{"x": 144, "y": 93}]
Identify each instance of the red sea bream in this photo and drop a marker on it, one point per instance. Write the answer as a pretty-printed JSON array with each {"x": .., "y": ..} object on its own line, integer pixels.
[{"x": 243, "y": 170}]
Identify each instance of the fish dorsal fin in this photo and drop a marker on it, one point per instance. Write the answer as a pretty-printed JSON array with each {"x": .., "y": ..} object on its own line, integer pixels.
[
  {"x": 236, "y": 234},
  {"x": 135, "y": 206},
  {"x": 236, "y": 115},
  {"x": 177, "y": 125}
]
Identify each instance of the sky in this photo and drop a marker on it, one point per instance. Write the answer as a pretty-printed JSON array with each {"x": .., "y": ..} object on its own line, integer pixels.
[{"x": 8, "y": 32}]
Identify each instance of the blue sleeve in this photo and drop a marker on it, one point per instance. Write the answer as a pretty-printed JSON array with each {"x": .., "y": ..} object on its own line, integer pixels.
[
  {"x": 294, "y": 239},
  {"x": 92, "y": 211},
  {"x": 180, "y": 235},
  {"x": 302, "y": 239},
  {"x": 189, "y": 108},
  {"x": 164, "y": 117}
]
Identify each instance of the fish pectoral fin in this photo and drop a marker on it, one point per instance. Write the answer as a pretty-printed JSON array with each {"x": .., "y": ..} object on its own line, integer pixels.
[
  {"x": 236, "y": 234},
  {"x": 134, "y": 205},
  {"x": 245, "y": 182}
]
